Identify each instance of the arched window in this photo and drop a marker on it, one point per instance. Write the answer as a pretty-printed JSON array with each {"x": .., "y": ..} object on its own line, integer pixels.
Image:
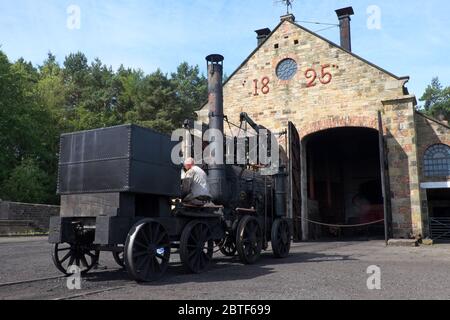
[{"x": 437, "y": 161}]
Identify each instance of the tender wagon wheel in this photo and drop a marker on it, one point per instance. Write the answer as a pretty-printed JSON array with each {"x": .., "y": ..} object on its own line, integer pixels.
[
  {"x": 281, "y": 238},
  {"x": 249, "y": 240},
  {"x": 65, "y": 255},
  {"x": 119, "y": 257},
  {"x": 147, "y": 251},
  {"x": 196, "y": 247},
  {"x": 228, "y": 246}
]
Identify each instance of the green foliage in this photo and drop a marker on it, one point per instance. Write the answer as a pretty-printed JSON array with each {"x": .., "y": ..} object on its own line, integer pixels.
[
  {"x": 27, "y": 183},
  {"x": 37, "y": 104},
  {"x": 437, "y": 100},
  {"x": 23, "y": 121}
]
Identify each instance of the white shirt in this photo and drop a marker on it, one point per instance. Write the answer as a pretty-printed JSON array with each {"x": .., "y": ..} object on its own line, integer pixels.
[{"x": 195, "y": 184}]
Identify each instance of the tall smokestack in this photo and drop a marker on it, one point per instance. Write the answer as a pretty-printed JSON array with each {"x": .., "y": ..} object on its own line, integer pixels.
[
  {"x": 216, "y": 171},
  {"x": 344, "y": 15}
]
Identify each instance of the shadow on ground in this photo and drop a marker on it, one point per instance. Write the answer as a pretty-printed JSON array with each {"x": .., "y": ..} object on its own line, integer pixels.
[{"x": 222, "y": 269}]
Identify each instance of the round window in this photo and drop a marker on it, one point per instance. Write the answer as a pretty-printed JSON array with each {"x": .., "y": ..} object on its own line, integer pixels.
[{"x": 287, "y": 69}]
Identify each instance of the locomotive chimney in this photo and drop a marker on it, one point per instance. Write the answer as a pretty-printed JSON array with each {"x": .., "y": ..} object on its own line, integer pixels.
[
  {"x": 216, "y": 170},
  {"x": 344, "y": 15}
]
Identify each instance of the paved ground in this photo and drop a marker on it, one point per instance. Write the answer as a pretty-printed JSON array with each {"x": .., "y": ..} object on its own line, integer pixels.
[{"x": 313, "y": 271}]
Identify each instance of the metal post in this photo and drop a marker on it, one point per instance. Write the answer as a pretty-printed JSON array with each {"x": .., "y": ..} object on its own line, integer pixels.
[{"x": 383, "y": 177}]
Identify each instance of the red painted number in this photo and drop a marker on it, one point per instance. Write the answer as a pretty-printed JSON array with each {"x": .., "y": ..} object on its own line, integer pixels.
[
  {"x": 311, "y": 75},
  {"x": 265, "y": 89},
  {"x": 326, "y": 77},
  {"x": 256, "y": 87},
  {"x": 265, "y": 86}
]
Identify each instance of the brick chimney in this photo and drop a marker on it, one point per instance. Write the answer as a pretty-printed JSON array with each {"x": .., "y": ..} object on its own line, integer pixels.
[
  {"x": 263, "y": 34},
  {"x": 288, "y": 17},
  {"x": 344, "y": 15}
]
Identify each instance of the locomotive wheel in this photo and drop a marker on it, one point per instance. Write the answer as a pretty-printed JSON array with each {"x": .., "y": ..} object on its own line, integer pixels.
[
  {"x": 65, "y": 255},
  {"x": 281, "y": 238},
  {"x": 249, "y": 240},
  {"x": 119, "y": 257},
  {"x": 228, "y": 246},
  {"x": 196, "y": 247},
  {"x": 147, "y": 251}
]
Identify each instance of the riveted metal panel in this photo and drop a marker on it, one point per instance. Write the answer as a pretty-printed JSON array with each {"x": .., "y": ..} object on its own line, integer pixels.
[
  {"x": 117, "y": 159},
  {"x": 95, "y": 145}
]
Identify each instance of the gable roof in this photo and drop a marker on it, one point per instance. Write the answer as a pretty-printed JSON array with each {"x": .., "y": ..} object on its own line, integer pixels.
[
  {"x": 432, "y": 119},
  {"x": 331, "y": 43}
]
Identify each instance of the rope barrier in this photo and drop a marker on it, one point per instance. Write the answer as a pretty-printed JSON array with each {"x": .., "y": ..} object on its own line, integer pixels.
[{"x": 343, "y": 226}]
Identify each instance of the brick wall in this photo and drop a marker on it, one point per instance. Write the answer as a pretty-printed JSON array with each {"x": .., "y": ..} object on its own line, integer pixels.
[{"x": 38, "y": 215}]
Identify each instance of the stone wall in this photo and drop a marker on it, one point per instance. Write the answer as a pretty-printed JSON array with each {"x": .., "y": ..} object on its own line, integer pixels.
[
  {"x": 406, "y": 197},
  {"x": 36, "y": 217}
]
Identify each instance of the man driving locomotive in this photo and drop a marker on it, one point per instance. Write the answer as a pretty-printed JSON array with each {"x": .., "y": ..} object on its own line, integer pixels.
[{"x": 194, "y": 185}]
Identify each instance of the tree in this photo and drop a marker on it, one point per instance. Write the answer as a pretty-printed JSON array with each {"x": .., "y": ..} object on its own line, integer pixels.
[
  {"x": 75, "y": 74},
  {"x": 22, "y": 121},
  {"x": 27, "y": 183},
  {"x": 38, "y": 104},
  {"x": 191, "y": 88},
  {"x": 26, "y": 127},
  {"x": 437, "y": 100},
  {"x": 127, "y": 83},
  {"x": 157, "y": 104}
]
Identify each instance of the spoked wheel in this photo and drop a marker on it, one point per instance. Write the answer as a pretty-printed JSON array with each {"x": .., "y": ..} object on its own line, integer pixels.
[
  {"x": 66, "y": 255},
  {"x": 119, "y": 257},
  {"x": 147, "y": 251},
  {"x": 228, "y": 246},
  {"x": 249, "y": 240},
  {"x": 281, "y": 238},
  {"x": 196, "y": 247}
]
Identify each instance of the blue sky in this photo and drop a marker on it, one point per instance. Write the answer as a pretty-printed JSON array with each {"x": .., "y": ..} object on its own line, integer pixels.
[{"x": 414, "y": 38}]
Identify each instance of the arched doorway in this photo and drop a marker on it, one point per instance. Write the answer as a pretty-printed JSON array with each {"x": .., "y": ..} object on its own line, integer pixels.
[{"x": 344, "y": 183}]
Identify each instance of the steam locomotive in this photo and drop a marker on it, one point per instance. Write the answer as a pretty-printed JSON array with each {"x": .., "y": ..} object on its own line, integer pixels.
[{"x": 120, "y": 193}]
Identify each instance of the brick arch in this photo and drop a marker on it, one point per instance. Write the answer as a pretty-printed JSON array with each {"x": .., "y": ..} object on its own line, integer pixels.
[{"x": 339, "y": 122}]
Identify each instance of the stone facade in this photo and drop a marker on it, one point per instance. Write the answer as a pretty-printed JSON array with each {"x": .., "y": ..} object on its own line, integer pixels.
[
  {"x": 348, "y": 91},
  {"x": 407, "y": 215},
  {"x": 356, "y": 88}
]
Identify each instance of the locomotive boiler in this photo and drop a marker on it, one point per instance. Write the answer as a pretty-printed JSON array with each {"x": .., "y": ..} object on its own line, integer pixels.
[{"x": 120, "y": 192}]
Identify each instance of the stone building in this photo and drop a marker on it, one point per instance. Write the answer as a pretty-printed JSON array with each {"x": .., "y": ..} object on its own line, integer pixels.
[{"x": 339, "y": 103}]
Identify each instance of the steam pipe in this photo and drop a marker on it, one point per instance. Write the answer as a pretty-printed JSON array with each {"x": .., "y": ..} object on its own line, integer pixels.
[{"x": 245, "y": 117}]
